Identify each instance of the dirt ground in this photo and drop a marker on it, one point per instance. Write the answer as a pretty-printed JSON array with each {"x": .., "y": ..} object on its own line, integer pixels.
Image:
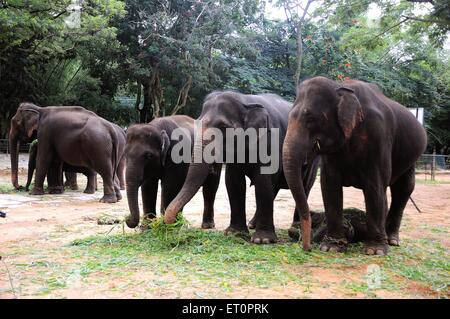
[{"x": 38, "y": 226}]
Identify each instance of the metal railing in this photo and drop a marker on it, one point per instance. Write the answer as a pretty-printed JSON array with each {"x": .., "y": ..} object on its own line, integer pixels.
[
  {"x": 5, "y": 147},
  {"x": 433, "y": 164}
]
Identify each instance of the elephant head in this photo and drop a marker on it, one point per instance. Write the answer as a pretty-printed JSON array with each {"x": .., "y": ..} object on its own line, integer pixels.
[
  {"x": 24, "y": 126},
  {"x": 146, "y": 152},
  {"x": 221, "y": 110},
  {"x": 321, "y": 121}
]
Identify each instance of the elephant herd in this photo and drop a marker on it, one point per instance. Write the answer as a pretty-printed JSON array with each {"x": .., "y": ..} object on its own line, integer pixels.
[{"x": 351, "y": 130}]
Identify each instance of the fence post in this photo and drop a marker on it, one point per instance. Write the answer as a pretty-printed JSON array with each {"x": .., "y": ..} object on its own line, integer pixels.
[{"x": 433, "y": 164}]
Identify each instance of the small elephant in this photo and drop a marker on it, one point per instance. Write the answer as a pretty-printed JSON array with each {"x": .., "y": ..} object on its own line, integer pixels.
[
  {"x": 148, "y": 161},
  {"x": 232, "y": 110},
  {"x": 355, "y": 227},
  {"x": 55, "y": 186},
  {"x": 69, "y": 134},
  {"x": 365, "y": 140}
]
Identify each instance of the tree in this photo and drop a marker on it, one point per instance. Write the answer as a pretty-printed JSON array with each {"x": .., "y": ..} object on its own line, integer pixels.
[
  {"x": 43, "y": 59},
  {"x": 177, "y": 46}
]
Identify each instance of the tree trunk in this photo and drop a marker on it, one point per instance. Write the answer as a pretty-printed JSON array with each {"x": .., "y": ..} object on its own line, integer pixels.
[{"x": 298, "y": 69}]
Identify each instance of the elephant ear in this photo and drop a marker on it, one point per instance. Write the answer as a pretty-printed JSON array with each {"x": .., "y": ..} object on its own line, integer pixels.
[
  {"x": 256, "y": 116},
  {"x": 165, "y": 145},
  {"x": 31, "y": 121},
  {"x": 349, "y": 110}
]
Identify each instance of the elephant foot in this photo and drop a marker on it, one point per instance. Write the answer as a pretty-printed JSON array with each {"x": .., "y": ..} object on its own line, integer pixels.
[
  {"x": 122, "y": 187},
  {"x": 264, "y": 237},
  {"x": 56, "y": 190},
  {"x": 294, "y": 231},
  {"x": 394, "y": 239},
  {"x": 108, "y": 199},
  {"x": 333, "y": 244},
  {"x": 208, "y": 224},
  {"x": 37, "y": 191},
  {"x": 252, "y": 223},
  {"x": 89, "y": 191},
  {"x": 118, "y": 196},
  {"x": 241, "y": 232},
  {"x": 373, "y": 248}
]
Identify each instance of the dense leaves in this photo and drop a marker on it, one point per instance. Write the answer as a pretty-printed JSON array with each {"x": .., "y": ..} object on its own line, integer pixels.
[{"x": 131, "y": 61}]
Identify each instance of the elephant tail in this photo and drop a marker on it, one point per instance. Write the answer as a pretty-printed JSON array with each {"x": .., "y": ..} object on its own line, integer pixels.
[{"x": 115, "y": 153}]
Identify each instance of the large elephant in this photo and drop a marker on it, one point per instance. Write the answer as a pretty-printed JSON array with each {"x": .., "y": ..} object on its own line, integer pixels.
[
  {"x": 68, "y": 134},
  {"x": 223, "y": 110},
  {"x": 56, "y": 186},
  {"x": 70, "y": 171},
  {"x": 365, "y": 140},
  {"x": 148, "y": 161}
]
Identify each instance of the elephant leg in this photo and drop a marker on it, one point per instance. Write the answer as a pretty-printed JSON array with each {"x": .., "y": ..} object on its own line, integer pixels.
[
  {"x": 109, "y": 189},
  {"x": 71, "y": 180},
  {"x": 91, "y": 186},
  {"x": 294, "y": 230},
  {"x": 376, "y": 208},
  {"x": 55, "y": 179},
  {"x": 401, "y": 190},
  {"x": 265, "y": 229},
  {"x": 169, "y": 190},
  {"x": 332, "y": 196},
  {"x": 117, "y": 189},
  {"x": 252, "y": 222},
  {"x": 149, "y": 191},
  {"x": 44, "y": 159},
  {"x": 209, "y": 196},
  {"x": 236, "y": 189},
  {"x": 120, "y": 173},
  {"x": 31, "y": 165}
]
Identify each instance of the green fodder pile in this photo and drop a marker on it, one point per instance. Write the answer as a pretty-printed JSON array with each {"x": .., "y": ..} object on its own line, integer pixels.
[{"x": 173, "y": 235}]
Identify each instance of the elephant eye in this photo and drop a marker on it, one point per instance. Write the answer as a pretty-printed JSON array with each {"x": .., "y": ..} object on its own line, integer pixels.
[
  {"x": 311, "y": 121},
  {"x": 148, "y": 155}
]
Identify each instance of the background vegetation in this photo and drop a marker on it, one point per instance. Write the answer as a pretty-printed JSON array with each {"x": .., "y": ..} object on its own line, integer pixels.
[{"x": 133, "y": 60}]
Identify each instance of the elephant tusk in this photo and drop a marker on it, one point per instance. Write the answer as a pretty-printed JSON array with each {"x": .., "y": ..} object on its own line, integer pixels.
[{"x": 318, "y": 144}]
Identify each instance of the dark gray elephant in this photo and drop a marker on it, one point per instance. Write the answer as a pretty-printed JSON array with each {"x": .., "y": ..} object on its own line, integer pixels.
[
  {"x": 365, "y": 140},
  {"x": 55, "y": 186},
  {"x": 70, "y": 171},
  {"x": 148, "y": 161},
  {"x": 68, "y": 134},
  {"x": 222, "y": 110}
]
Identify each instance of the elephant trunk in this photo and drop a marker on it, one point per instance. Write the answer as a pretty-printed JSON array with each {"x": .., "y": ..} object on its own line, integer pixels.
[
  {"x": 294, "y": 155},
  {"x": 133, "y": 177},
  {"x": 14, "y": 144},
  {"x": 195, "y": 178}
]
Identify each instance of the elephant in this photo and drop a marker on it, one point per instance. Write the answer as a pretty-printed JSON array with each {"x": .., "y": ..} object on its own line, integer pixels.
[
  {"x": 69, "y": 134},
  {"x": 355, "y": 226},
  {"x": 55, "y": 186},
  {"x": 365, "y": 140},
  {"x": 148, "y": 161},
  {"x": 228, "y": 109},
  {"x": 70, "y": 171}
]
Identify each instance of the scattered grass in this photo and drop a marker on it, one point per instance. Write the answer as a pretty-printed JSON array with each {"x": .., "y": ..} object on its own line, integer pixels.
[
  {"x": 192, "y": 254},
  {"x": 430, "y": 182},
  {"x": 7, "y": 189},
  {"x": 180, "y": 256}
]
